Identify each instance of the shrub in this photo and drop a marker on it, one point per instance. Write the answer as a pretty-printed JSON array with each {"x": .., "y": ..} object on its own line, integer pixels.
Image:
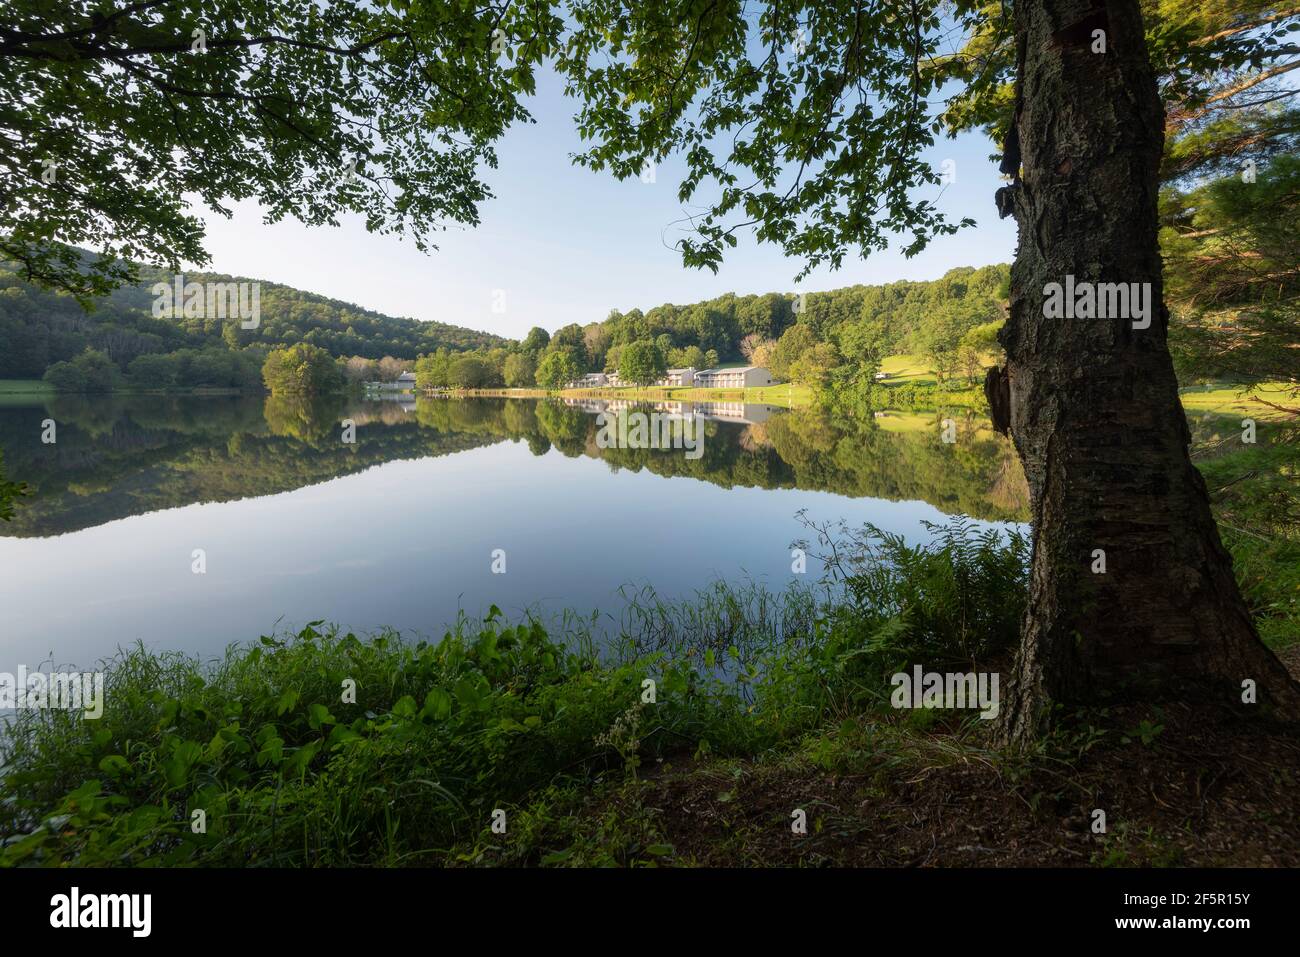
[{"x": 954, "y": 601}]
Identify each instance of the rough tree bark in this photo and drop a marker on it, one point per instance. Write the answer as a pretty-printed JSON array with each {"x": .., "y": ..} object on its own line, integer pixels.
[{"x": 1094, "y": 407}]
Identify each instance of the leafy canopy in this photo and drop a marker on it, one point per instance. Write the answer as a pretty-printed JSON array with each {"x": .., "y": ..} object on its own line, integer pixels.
[
  {"x": 641, "y": 363},
  {"x": 804, "y": 121},
  {"x": 111, "y": 113},
  {"x": 302, "y": 369},
  {"x": 558, "y": 368}
]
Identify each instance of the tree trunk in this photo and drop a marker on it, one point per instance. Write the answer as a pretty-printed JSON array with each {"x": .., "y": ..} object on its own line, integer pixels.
[{"x": 1094, "y": 406}]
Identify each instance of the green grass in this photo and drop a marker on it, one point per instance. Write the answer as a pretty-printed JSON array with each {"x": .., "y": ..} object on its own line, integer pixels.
[
  {"x": 1220, "y": 398},
  {"x": 1233, "y": 400},
  {"x": 25, "y": 387}
]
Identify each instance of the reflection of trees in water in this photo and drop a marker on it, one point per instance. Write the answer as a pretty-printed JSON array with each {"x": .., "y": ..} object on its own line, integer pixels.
[
  {"x": 125, "y": 455},
  {"x": 163, "y": 452},
  {"x": 754, "y": 437},
  {"x": 1009, "y": 490},
  {"x": 978, "y": 474},
  {"x": 312, "y": 418},
  {"x": 96, "y": 415},
  {"x": 381, "y": 413},
  {"x": 567, "y": 428},
  {"x": 520, "y": 417}
]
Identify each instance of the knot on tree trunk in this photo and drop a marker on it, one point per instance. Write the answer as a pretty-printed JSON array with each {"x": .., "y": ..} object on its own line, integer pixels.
[
  {"x": 997, "y": 390},
  {"x": 1005, "y": 199}
]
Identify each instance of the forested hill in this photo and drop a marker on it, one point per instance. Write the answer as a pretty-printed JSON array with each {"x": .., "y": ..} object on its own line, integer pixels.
[
  {"x": 817, "y": 338},
  {"x": 901, "y": 316},
  {"x": 39, "y": 328}
]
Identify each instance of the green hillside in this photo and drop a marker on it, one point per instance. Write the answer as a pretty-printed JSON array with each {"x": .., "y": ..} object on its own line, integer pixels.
[{"x": 39, "y": 328}]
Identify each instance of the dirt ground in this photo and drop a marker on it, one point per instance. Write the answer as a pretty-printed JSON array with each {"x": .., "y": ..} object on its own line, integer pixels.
[{"x": 1181, "y": 784}]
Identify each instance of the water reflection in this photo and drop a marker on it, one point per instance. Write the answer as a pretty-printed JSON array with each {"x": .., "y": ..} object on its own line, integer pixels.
[
  {"x": 398, "y": 528},
  {"x": 128, "y": 455}
]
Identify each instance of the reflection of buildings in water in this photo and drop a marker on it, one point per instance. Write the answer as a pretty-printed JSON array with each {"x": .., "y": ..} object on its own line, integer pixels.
[
  {"x": 402, "y": 400},
  {"x": 747, "y": 413},
  {"x": 744, "y": 413},
  {"x": 587, "y": 405}
]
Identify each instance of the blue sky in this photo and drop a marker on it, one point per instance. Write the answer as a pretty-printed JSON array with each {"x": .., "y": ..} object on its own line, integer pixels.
[{"x": 567, "y": 245}]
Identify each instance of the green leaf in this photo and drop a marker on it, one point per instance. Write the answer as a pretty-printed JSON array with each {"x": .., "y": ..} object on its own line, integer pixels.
[
  {"x": 272, "y": 752},
  {"x": 303, "y": 757},
  {"x": 340, "y": 734},
  {"x": 437, "y": 705},
  {"x": 114, "y": 765},
  {"x": 469, "y": 692}
]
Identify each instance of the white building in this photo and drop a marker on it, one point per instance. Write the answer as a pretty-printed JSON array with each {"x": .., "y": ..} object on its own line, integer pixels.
[
  {"x": 404, "y": 383},
  {"x": 742, "y": 377},
  {"x": 676, "y": 377},
  {"x": 592, "y": 380}
]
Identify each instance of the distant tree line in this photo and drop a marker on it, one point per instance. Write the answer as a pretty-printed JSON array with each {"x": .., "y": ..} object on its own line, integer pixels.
[
  {"x": 43, "y": 330},
  {"x": 823, "y": 339}
]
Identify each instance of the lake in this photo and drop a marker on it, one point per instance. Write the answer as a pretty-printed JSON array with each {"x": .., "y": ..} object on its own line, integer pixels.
[{"x": 190, "y": 523}]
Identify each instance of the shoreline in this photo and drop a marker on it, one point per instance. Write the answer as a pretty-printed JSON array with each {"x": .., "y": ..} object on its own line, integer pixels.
[{"x": 784, "y": 395}]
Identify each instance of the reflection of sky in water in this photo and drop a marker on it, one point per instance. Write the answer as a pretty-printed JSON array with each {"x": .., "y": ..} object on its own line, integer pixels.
[{"x": 405, "y": 544}]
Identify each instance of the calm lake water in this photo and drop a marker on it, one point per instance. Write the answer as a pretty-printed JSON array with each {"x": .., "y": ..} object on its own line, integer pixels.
[{"x": 400, "y": 527}]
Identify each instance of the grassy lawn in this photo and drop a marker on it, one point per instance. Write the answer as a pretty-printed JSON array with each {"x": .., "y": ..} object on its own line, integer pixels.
[
  {"x": 1218, "y": 398},
  {"x": 23, "y": 392},
  {"x": 24, "y": 387},
  {"x": 1231, "y": 400}
]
